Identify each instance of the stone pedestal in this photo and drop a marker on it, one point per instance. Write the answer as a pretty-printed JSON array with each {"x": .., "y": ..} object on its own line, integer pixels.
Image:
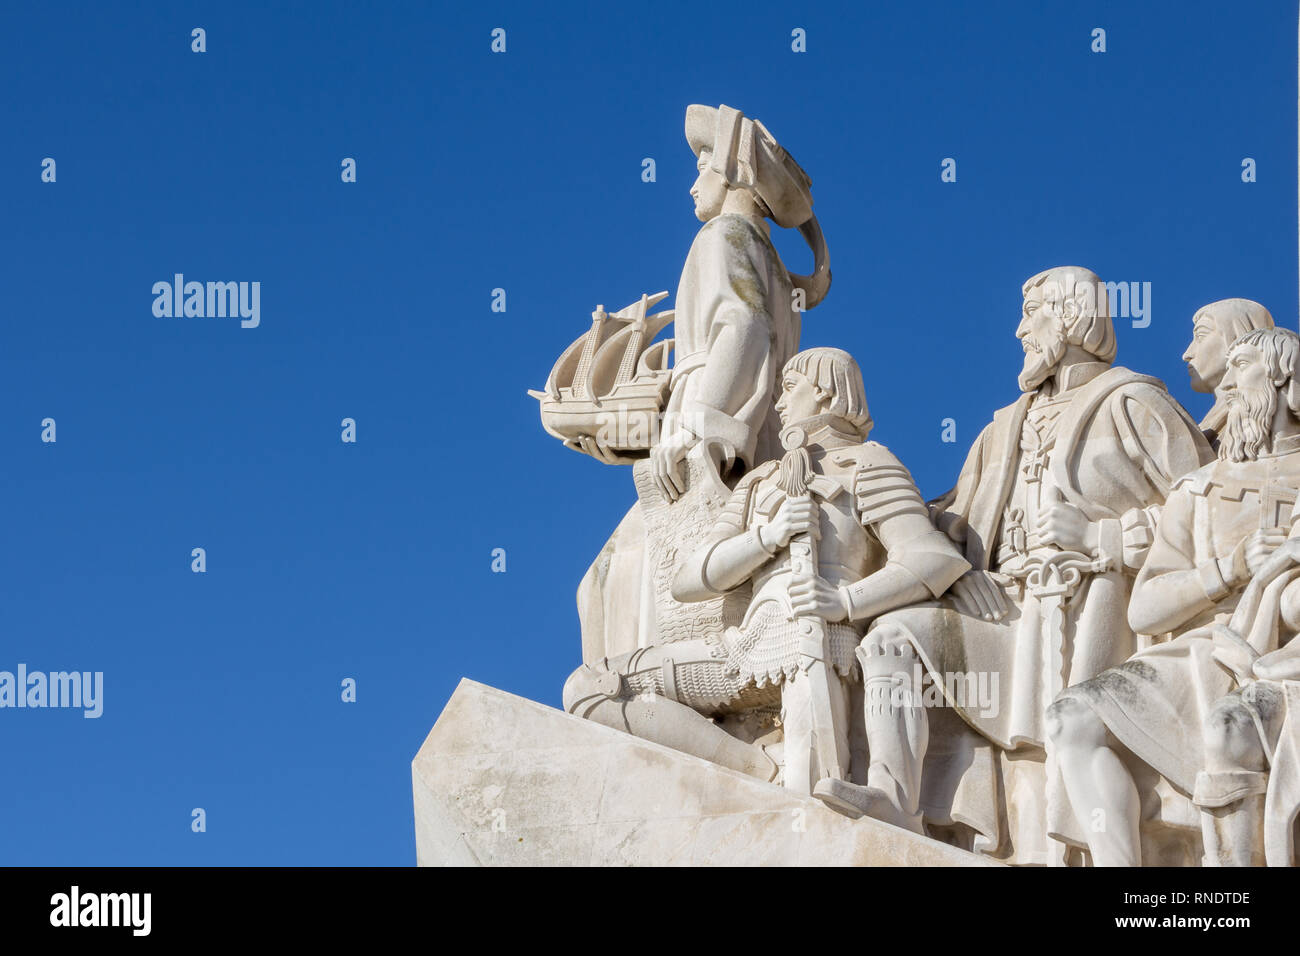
[{"x": 501, "y": 780}]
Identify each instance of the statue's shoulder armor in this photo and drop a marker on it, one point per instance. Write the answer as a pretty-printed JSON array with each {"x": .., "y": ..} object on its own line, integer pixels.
[
  {"x": 748, "y": 484},
  {"x": 865, "y": 456},
  {"x": 882, "y": 485},
  {"x": 737, "y": 508},
  {"x": 759, "y": 472}
]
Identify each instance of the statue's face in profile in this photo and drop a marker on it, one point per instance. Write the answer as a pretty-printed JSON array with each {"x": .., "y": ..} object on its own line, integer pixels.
[
  {"x": 1207, "y": 356},
  {"x": 1251, "y": 399},
  {"x": 800, "y": 399},
  {"x": 1246, "y": 375},
  {"x": 1041, "y": 334},
  {"x": 709, "y": 191}
]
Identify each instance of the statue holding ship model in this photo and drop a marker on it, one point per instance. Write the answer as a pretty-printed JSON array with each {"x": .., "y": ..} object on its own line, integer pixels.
[
  {"x": 737, "y": 320},
  {"x": 692, "y": 430}
]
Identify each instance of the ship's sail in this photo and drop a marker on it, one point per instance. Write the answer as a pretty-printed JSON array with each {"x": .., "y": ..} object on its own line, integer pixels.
[
  {"x": 616, "y": 361},
  {"x": 606, "y": 391}
]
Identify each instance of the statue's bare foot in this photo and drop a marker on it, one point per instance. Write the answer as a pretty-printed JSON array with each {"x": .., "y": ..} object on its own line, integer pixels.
[{"x": 855, "y": 801}]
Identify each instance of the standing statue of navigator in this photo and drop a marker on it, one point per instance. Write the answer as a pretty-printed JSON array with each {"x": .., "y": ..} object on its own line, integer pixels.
[
  {"x": 736, "y": 324},
  {"x": 737, "y": 308}
]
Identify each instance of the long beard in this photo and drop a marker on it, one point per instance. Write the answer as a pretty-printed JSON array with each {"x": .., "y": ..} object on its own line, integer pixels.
[
  {"x": 1040, "y": 365},
  {"x": 1249, "y": 428}
]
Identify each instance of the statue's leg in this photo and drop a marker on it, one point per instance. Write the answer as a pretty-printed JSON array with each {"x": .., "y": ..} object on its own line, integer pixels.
[
  {"x": 797, "y": 727},
  {"x": 897, "y": 734},
  {"x": 653, "y": 693},
  {"x": 1101, "y": 789},
  {"x": 1230, "y": 790}
]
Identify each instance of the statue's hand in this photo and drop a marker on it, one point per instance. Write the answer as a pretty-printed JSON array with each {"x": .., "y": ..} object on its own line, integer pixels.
[
  {"x": 1233, "y": 652},
  {"x": 1065, "y": 526},
  {"x": 666, "y": 465},
  {"x": 977, "y": 594},
  {"x": 795, "y": 516},
  {"x": 602, "y": 453},
  {"x": 1260, "y": 545},
  {"x": 817, "y": 597}
]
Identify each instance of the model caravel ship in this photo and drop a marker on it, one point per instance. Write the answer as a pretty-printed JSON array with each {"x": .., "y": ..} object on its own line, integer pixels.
[{"x": 606, "y": 391}]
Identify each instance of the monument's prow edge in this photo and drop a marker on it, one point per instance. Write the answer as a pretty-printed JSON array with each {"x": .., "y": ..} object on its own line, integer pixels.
[{"x": 502, "y": 780}]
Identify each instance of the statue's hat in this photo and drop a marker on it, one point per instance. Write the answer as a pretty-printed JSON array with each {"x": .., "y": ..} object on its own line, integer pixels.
[{"x": 746, "y": 154}]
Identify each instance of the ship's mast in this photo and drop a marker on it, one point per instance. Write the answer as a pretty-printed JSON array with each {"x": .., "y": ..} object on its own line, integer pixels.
[
  {"x": 588, "y": 353},
  {"x": 633, "y": 351}
]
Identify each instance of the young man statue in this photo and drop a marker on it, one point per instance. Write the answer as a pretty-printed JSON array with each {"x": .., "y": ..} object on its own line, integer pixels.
[
  {"x": 828, "y": 536},
  {"x": 1214, "y": 328}
]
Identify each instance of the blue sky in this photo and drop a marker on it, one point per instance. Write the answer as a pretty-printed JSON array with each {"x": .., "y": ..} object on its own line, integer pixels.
[{"x": 476, "y": 171}]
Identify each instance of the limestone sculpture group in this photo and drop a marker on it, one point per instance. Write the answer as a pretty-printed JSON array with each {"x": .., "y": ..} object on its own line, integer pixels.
[{"x": 1081, "y": 653}]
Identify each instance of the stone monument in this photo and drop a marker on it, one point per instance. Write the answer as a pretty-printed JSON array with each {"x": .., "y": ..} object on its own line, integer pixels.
[{"x": 1080, "y": 655}]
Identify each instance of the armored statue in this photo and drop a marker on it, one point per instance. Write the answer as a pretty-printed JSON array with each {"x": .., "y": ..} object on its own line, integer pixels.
[
  {"x": 1216, "y": 573},
  {"x": 826, "y": 537}
]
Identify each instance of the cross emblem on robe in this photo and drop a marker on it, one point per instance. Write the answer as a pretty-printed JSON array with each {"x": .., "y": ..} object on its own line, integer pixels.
[{"x": 1034, "y": 463}]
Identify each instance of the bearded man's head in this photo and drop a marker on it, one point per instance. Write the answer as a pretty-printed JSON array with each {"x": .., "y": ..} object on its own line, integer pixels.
[
  {"x": 1063, "y": 306},
  {"x": 1261, "y": 375}
]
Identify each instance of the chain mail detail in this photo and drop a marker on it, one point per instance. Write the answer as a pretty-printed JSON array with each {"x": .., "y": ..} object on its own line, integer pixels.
[
  {"x": 766, "y": 651},
  {"x": 705, "y": 686}
]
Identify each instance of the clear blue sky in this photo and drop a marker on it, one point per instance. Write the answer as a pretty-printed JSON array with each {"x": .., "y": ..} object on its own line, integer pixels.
[{"x": 476, "y": 171}]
